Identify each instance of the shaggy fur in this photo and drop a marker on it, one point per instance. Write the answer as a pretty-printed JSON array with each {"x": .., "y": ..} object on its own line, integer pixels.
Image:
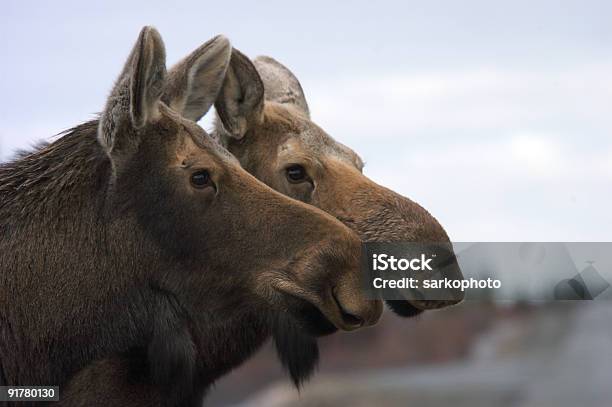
[
  {"x": 297, "y": 351},
  {"x": 122, "y": 282}
]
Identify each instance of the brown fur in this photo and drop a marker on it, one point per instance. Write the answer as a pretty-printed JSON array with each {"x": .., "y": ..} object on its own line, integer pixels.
[
  {"x": 285, "y": 136},
  {"x": 110, "y": 257},
  {"x": 264, "y": 120}
]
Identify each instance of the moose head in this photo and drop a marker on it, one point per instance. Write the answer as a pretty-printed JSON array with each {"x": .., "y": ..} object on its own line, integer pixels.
[
  {"x": 138, "y": 228},
  {"x": 264, "y": 121}
]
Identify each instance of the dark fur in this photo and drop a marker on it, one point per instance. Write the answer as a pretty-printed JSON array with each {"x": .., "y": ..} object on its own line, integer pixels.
[
  {"x": 170, "y": 361},
  {"x": 124, "y": 284},
  {"x": 297, "y": 351},
  {"x": 171, "y": 352},
  {"x": 133, "y": 315}
]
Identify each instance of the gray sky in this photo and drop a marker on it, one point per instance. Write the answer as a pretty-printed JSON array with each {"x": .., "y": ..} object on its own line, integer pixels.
[{"x": 494, "y": 116}]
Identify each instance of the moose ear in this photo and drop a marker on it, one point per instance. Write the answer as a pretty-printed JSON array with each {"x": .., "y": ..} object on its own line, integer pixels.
[
  {"x": 194, "y": 83},
  {"x": 134, "y": 101},
  {"x": 280, "y": 84},
  {"x": 240, "y": 103}
]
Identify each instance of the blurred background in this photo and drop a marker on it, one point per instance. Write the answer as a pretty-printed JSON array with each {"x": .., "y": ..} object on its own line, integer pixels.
[{"x": 495, "y": 116}]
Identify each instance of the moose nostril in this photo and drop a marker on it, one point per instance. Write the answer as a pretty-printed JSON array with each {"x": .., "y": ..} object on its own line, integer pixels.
[{"x": 349, "y": 318}]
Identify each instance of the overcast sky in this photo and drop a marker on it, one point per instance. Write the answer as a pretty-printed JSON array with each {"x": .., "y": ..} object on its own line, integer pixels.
[{"x": 495, "y": 116}]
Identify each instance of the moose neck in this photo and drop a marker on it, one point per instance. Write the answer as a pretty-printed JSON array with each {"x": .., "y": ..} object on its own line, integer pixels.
[{"x": 58, "y": 248}]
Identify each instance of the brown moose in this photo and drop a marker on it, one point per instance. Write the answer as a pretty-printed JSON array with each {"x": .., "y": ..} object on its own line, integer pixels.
[{"x": 137, "y": 238}]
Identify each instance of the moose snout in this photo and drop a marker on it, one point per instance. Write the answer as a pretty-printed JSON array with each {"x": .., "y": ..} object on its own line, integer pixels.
[
  {"x": 379, "y": 214},
  {"x": 342, "y": 297},
  {"x": 350, "y": 307},
  {"x": 322, "y": 287}
]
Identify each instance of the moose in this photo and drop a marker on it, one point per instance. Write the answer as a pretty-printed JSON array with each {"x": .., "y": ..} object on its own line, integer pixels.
[
  {"x": 136, "y": 241},
  {"x": 263, "y": 119}
]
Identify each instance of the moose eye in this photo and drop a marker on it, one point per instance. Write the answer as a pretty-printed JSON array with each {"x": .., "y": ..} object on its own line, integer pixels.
[
  {"x": 201, "y": 179},
  {"x": 296, "y": 173}
]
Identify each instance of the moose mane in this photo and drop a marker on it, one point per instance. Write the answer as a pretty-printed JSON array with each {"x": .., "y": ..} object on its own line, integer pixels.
[
  {"x": 53, "y": 173},
  {"x": 51, "y": 194}
]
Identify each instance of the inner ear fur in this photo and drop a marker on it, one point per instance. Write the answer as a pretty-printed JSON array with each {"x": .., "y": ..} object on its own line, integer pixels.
[
  {"x": 194, "y": 83},
  {"x": 241, "y": 100},
  {"x": 134, "y": 100}
]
